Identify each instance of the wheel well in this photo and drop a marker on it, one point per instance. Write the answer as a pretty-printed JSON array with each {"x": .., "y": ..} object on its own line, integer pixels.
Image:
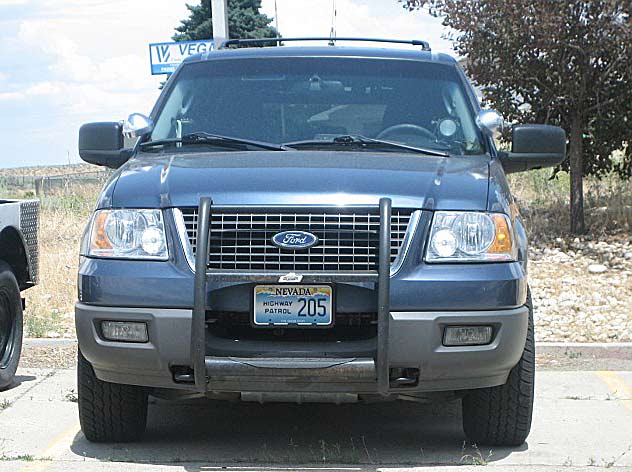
[{"x": 12, "y": 252}]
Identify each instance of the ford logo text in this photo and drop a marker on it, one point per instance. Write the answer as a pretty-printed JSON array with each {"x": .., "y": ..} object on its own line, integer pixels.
[{"x": 295, "y": 240}]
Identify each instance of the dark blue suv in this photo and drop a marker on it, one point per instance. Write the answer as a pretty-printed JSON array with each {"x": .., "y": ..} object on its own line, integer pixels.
[{"x": 300, "y": 224}]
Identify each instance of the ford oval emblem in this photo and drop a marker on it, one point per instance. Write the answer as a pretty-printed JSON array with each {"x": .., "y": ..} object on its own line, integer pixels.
[{"x": 295, "y": 240}]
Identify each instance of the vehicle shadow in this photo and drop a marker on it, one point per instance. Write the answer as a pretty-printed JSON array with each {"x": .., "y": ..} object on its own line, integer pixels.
[
  {"x": 204, "y": 435},
  {"x": 17, "y": 381}
]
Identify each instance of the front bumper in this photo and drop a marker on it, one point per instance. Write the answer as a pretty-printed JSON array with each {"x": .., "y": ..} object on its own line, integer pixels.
[{"x": 414, "y": 341}]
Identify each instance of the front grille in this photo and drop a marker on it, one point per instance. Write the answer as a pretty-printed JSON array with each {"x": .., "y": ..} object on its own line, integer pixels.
[{"x": 348, "y": 239}]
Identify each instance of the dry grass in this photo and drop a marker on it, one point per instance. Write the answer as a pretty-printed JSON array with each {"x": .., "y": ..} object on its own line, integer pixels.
[
  {"x": 41, "y": 171},
  {"x": 544, "y": 203},
  {"x": 49, "y": 305}
]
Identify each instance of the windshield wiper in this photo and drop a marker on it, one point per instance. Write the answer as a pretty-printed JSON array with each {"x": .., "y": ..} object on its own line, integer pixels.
[
  {"x": 358, "y": 140},
  {"x": 202, "y": 137}
]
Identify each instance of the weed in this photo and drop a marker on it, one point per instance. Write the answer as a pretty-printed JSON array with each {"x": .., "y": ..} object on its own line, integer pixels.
[
  {"x": 573, "y": 354},
  {"x": 609, "y": 464},
  {"x": 366, "y": 450},
  {"x": 329, "y": 453},
  {"x": 354, "y": 457},
  {"x": 71, "y": 396},
  {"x": 20, "y": 457},
  {"x": 475, "y": 457}
]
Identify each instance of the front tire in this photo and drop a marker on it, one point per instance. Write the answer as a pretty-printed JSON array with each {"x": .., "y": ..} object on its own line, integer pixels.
[
  {"x": 109, "y": 412},
  {"x": 11, "y": 329},
  {"x": 501, "y": 416}
]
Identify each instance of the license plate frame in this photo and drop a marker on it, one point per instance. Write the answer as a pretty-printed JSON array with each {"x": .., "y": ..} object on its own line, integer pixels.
[{"x": 324, "y": 291}]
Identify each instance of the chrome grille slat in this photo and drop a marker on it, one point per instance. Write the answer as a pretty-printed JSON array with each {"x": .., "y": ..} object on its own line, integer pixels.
[{"x": 241, "y": 240}]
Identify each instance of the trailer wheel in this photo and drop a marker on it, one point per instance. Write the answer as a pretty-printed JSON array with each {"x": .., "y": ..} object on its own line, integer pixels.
[{"x": 10, "y": 325}]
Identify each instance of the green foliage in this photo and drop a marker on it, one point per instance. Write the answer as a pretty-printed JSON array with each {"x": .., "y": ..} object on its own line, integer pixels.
[
  {"x": 244, "y": 21},
  {"x": 561, "y": 62},
  {"x": 546, "y": 60}
]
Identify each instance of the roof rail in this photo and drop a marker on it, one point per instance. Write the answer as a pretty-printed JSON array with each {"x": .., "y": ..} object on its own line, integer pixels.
[{"x": 425, "y": 46}]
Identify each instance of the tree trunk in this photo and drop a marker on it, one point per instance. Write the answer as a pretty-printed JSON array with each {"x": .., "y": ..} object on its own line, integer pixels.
[{"x": 577, "y": 181}]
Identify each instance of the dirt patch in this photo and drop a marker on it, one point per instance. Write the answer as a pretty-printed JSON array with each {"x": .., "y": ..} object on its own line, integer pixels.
[{"x": 59, "y": 357}]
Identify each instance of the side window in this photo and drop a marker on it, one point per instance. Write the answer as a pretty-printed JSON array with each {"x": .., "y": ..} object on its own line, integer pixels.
[
  {"x": 165, "y": 126},
  {"x": 470, "y": 134},
  {"x": 451, "y": 127}
]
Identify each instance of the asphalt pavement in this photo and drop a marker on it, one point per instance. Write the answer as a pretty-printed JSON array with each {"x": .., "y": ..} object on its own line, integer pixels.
[{"x": 583, "y": 420}]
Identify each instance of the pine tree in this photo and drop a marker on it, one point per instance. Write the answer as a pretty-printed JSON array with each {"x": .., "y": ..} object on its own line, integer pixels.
[{"x": 244, "y": 21}]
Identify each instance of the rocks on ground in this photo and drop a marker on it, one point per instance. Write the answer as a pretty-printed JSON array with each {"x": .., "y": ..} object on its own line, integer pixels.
[{"x": 582, "y": 289}]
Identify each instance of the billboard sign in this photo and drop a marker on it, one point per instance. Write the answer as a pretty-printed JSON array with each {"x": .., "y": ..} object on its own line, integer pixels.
[{"x": 166, "y": 57}]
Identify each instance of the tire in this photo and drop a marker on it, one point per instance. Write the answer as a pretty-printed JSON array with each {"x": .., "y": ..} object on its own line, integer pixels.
[
  {"x": 11, "y": 328},
  {"x": 501, "y": 416},
  {"x": 109, "y": 412}
]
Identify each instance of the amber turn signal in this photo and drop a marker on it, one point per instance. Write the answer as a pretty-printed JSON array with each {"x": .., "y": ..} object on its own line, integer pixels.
[{"x": 502, "y": 242}]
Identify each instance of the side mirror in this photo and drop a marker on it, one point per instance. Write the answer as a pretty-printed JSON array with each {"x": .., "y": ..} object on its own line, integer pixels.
[
  {"x": 534, "y": 147},
  {"x": 490, "y": 122},
  {"x": 102, "y": 144},
  {"x": 137, "y": 125}
]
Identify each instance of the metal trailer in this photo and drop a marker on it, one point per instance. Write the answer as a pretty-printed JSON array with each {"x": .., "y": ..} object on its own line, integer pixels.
[{"x": 19, "y": 270}]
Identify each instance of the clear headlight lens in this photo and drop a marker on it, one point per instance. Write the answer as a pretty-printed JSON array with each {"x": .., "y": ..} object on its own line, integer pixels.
[
  {"x": 131, "y": 234},
  {"x": 468, "y": 236}
]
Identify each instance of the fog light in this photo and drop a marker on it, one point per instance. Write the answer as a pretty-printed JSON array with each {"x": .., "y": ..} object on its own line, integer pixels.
[
  {"x": 135, "y": 332},
  {"x": 467, "y": 335}
]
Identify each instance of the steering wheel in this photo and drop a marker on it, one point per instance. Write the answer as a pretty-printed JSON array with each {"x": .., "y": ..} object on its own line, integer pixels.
[{"x": 406, "y": 128}]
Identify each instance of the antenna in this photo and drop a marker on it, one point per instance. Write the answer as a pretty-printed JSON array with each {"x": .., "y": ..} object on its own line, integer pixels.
[
  {"x": 332, "y": 32},
  {"x": 276, "y": 17}
]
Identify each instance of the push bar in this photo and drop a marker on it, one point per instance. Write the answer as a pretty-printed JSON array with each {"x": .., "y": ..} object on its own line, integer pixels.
[
  {"x": 199, "y": 361},
  {"x": 383, "y": 296},
  {"x": 198, "y": 322}
]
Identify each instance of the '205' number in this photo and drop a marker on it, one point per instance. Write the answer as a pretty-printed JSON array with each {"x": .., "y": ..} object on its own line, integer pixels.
[{"x": 312, "y": 307}]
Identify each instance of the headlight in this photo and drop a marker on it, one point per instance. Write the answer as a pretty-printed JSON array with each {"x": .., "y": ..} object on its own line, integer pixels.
[
  {"x": 467, "y": 236},
  {"x": 130, "y": 234}
]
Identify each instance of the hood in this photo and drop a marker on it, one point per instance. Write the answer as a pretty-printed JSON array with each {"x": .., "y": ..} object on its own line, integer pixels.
[{"x": 303, "y": 178}]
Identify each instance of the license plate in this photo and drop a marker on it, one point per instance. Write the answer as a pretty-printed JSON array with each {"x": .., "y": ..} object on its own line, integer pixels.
[{"x": 293, "y": 305}]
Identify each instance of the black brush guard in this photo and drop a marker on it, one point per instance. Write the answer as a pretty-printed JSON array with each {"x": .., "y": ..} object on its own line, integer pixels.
[{"x": 293, "y": 374}]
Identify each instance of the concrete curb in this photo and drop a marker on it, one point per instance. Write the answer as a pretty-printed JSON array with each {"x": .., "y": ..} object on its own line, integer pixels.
[
  {"x": 620, "y": 351},
  {"x": 49, "y": 342},
  {"x": 551, "y": 345}
]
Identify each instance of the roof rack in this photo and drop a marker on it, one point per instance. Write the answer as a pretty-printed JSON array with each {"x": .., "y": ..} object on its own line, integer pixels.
[{"x": 425, "y": 46}]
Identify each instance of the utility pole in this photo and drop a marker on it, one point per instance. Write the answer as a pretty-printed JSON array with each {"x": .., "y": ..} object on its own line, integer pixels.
[{"x": 219, "y": 10}]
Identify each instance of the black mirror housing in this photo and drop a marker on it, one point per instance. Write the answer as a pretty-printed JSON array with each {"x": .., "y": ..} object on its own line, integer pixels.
[
  {"x": 102, "y": 144},
  {"x": 534, "y": 147}
]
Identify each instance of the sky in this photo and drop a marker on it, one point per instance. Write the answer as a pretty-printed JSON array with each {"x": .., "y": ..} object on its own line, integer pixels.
[{"x": 68, "y": 62}]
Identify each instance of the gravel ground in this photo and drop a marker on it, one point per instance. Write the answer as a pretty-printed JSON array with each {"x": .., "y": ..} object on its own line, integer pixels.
[
  {"x": 49, "y": 357},
  {"x": 582, "y": 290}
]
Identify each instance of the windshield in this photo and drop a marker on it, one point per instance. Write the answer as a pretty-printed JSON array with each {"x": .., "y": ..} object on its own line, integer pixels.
[{"x": 289, "y": 99}]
